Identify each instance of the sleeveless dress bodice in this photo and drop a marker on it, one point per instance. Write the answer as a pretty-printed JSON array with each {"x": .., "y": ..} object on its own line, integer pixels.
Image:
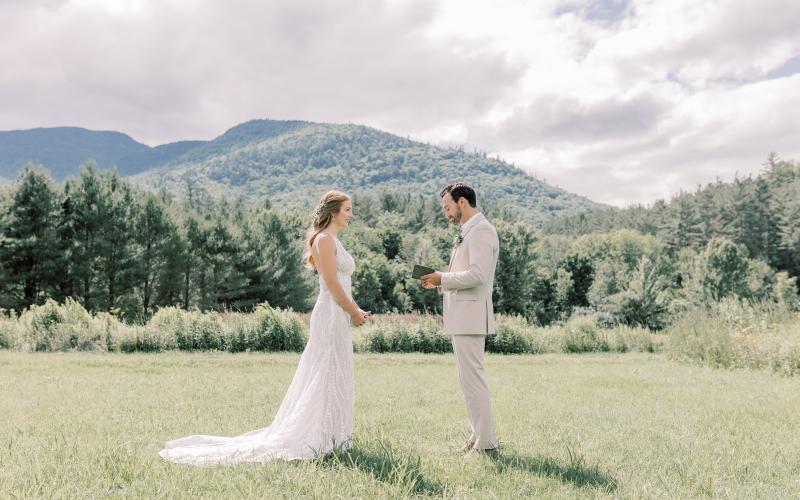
[{"x": 345, "y": 266}]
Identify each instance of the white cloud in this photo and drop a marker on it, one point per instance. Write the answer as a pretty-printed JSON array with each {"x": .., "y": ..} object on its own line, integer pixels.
[
  {"x": 668, "y": 96},
  {"x": 620, "y": 100},
  {"x": 168, "y": 70}
]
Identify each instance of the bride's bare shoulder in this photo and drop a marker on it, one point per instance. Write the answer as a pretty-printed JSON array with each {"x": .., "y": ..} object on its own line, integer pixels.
[{"x": 325, "y": 243}]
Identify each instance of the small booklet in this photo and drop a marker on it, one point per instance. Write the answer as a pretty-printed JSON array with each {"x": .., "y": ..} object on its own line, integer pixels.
[{"x": 420, "y": 271}]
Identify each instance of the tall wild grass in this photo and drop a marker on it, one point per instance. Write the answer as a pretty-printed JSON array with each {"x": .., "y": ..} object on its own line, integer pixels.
[
  {"x": 68, "y": 327},
  {"x": 735, "y": 333}
]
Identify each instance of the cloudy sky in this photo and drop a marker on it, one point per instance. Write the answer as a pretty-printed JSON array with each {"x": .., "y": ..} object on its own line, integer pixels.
[{"x": 622, "y": 101}]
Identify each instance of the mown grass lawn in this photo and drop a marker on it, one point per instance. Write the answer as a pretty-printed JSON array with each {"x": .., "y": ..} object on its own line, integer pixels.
[{"x": 618, "y": 425}]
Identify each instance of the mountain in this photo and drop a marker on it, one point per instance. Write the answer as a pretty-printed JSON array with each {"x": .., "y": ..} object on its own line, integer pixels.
[
  {"x": 134, "y": 163},
  {"x": 292, "y": 163},
  {"x": 64, "y": 149}
]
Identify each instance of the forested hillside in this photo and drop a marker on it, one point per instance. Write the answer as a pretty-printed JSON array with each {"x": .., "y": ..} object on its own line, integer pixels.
[
  {"x": 292, "y": 163},
  {"x": 289, "y": 162}
]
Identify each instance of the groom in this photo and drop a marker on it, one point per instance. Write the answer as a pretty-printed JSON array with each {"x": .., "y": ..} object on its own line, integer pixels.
[{"x": 468, "y": 311}]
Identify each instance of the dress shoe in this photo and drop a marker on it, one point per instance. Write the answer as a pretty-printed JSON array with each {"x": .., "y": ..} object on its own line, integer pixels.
[
  {"x": 475, "y": 452},
  {"x": 466, "y": 447}
]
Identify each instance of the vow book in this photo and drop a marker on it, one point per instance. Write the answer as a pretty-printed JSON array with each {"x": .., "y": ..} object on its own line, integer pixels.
[{"x": 420, "y": 271}]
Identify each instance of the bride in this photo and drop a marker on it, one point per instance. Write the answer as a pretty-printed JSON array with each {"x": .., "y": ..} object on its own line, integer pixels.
[{"x": 316, "y": 415}]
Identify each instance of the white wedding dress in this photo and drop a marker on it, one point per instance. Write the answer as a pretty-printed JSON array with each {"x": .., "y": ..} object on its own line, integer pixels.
[{"x": 316, "y": 415}]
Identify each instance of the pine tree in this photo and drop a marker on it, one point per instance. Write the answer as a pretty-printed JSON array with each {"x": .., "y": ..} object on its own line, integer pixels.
[
  {"x": 29, "y": 250},
  {"x": 789, "y": 231},
  {"x": 116, "y": 258},
  {"x": 196, "y": 265},
  {"x": 271, "y": 263},
  {"x": 222, "y": 249},
  {"x": 685, "y": 230},
  {"x": 153, "y": 231},
  {"x": 739, "y": 220},
  {"x": 169, "y": 288},
  {"x": 66, "y": 233},
  {"x": 708, "y": 220},
  {"x": 82, "y": 219},
  {"x": 765, "y": 223}
]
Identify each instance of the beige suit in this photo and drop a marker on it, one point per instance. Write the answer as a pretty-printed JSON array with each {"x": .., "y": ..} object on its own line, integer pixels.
[{"x": 469, "y": 317}]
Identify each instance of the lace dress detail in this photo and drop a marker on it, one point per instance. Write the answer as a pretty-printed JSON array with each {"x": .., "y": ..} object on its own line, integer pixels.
[{"x": 316, "y": 415}]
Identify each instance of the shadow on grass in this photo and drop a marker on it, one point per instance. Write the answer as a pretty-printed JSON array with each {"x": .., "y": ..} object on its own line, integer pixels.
[
  {"x": 386, "y": 464},
  {"x": 575, "y": 471}
]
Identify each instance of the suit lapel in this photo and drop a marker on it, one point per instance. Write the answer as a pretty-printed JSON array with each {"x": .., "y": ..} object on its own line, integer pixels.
[{"x": 466, "y": 237}]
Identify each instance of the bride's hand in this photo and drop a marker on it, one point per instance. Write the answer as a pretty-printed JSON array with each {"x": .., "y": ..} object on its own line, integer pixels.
[{"x": 358, "y": 317}]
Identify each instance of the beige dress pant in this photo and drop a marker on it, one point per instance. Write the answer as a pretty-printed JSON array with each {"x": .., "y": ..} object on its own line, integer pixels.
[{"x": 472, "y": 378}]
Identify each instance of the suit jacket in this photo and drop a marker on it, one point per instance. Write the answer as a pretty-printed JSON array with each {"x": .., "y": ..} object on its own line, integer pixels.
[{"x": 467, "y": 286}]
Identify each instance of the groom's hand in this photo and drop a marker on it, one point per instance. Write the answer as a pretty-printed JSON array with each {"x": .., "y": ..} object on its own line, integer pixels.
[{"x": 432, "y": 280}]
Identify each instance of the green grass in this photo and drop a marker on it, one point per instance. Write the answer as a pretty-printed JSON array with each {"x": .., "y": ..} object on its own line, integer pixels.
[{"x": 592, "y": 425}]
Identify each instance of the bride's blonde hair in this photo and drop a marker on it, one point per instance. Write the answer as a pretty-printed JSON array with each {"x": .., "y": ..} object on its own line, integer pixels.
[{"x": 329, "y": 205}]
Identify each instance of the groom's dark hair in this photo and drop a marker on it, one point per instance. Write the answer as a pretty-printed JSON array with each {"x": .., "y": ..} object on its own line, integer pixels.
[{"x": 460, "y": 190}]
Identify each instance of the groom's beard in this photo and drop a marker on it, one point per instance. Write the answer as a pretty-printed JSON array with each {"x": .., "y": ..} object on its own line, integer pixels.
[{"x": 456, "y": 217}]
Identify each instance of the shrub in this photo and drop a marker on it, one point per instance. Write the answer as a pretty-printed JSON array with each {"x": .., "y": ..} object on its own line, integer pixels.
[
  {"x": 785, "y": 291},
  {"x": 631, "y": 339},
  {"x": 511, "y": 337},
  {"x": 205, "y": 331},
  {"x": 274, "y": 330},
  {"x": 8, "y": 327},
  {"x": 722, "y": 270},
  {"x": 54, "y": 327},
  {"x": 266, "y": 329},
  {"x": 398, "y": 333},
  {"x": 238, "y": 331},
  {"x": 131, "y": 338},
  {"x": 109, "y": 327},
  {"x": 168, "y": 329},
  {"x": 582, "y": 336}
]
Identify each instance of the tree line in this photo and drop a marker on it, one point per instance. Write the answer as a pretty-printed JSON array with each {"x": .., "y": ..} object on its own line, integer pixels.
[
  {"x": 114, "y": 247},
  {"x": 761, "y": 214}
]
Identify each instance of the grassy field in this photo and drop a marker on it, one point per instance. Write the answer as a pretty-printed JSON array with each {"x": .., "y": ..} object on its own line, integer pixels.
[{"x": 592, "y": 425}]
